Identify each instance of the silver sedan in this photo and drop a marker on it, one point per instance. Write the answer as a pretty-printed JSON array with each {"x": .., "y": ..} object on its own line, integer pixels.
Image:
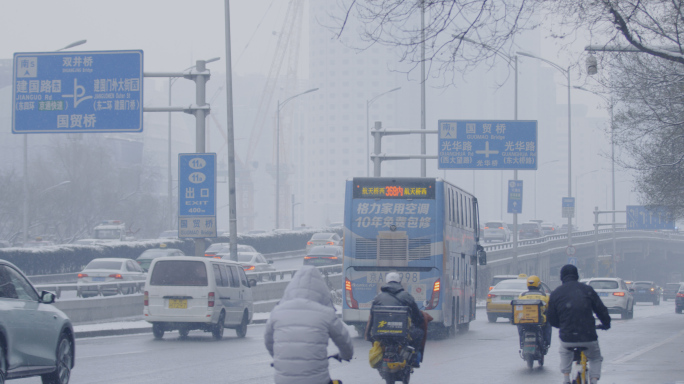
[{"x": 35, "y": 337}]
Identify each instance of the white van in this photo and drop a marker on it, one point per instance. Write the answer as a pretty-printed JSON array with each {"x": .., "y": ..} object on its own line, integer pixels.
[{"x": 185, "y": 293}]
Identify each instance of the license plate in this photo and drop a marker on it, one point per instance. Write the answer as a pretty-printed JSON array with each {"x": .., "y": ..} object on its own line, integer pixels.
[
  {"x": 641, "y": 291},
  {"x": 98, "y": 279},
  {"x": 178, "y": 304},
  {"x": 603, "y": 293},
  {"x": 406, "y": 277},
  {"x": 506, "y": 298}
]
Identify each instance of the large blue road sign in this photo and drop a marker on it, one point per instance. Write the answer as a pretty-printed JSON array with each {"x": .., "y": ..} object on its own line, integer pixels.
[
  {"x": 515, "y": 194},
  {"x": 197, "y": 195},
  {"x": 493, "y": 144},
  {"x": 641, "y": 217},
  {"x": 68, "y": 92}
]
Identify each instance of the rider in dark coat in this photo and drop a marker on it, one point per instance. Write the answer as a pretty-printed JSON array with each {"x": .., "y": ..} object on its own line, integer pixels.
[
  {"x": 392, "y": 294},
  {"x": 571, "y": 306}
]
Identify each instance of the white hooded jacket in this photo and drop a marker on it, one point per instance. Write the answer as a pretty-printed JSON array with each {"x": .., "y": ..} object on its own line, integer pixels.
[{"x": 298, "y": 330}]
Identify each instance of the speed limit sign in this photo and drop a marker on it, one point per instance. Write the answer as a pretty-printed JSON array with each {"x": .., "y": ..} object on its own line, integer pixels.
[{"x": 570, "y": 250}]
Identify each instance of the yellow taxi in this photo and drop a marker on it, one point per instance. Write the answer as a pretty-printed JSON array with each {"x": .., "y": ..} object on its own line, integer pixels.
[{"x": 499, "y": 297}]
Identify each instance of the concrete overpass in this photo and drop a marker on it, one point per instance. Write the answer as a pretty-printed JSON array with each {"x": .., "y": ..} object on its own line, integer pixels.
[{"x": 639, "y": 255}]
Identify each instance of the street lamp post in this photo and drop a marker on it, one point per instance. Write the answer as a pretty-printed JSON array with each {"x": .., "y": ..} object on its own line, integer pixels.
[
  {"x": 368, "y": 104},
  {"x": 513, "y": 62},
  {"x": 609, "y": 100},
  {"x": 169, "y": 169},
  {"x": 25, "y": 184},
  {"x": 566, "y": 72},
  {"x": 277, "y": 188}
]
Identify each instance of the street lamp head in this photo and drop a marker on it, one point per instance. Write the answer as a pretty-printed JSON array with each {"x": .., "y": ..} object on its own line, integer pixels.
[
  {"x": 212, "y": 60},
  {"x": 592, "y": 65},
  {"x": 74, "y": 44}
]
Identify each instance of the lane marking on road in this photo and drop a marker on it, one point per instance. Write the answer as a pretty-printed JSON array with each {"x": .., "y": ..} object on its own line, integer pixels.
[{"x": 632, "y": 355}]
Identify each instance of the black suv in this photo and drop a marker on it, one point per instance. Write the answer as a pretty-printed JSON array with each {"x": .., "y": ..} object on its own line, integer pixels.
[
  {"x": 670, "y": 290},
  {"x": 531, "y": 230},
  {"x": 646, "y": 291}
]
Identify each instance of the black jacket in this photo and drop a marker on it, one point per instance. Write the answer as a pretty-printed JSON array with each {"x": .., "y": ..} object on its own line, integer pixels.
[
  {"x": 571, "y": 309},
  {"x": 393, "y": 294}
]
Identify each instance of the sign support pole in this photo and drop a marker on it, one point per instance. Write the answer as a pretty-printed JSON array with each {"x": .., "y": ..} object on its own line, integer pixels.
[
  {"x": 515, "y": 177},
  {"x": 200, "y": 110},
  {"x": 200, "y": 119}
]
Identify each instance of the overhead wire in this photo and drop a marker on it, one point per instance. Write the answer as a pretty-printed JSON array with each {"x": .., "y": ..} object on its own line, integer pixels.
[{"x": 255, "y": 32}]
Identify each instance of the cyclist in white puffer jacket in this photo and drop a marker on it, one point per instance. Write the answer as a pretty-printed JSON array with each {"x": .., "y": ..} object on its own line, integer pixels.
[{"x": 299, "y": 328}]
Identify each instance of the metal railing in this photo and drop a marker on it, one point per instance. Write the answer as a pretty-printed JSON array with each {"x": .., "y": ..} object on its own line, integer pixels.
[{"x": 122, "y": 288}]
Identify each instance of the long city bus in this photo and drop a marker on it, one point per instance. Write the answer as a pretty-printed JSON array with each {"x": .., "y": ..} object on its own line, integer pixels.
[{"x": 427, "y": 230}]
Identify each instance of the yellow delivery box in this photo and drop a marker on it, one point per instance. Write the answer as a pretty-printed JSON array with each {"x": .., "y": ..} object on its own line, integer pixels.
[{"x": 527, "y": 311}]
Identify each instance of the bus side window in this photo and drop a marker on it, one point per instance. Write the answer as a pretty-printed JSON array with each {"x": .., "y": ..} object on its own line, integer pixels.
[
  {"x": 458, "y": 267},
  {"x": 453, "y": 208},
  {"x": 469, "y": 213},
  {"x": 449, "y": 205}
]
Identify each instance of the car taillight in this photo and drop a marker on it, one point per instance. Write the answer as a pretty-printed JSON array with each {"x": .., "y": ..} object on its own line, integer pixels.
[
  {"x": 490, "y": 288},
  {"x": 618, "y": 293},
  {"x": 500, "y": 227},
  {"x": 330, "y": 243},
  {"x": 434, "y": 300},
  {"x": 679, "y": 294},
  {"x": 330, "y": 257},
  {"x": 490, "y": 296},
  {"x": 486, "y": 227},
  {"x": 353, "y": 304},
  {"x": 210, "y": 300},
  {"x": 116, "y": 276},
  {"x": 652, "y": 289},
  {"x": 309, "y": 243},
  {"x": 209, "y": 254},
  {"x": 146, "y": 299},
  {"x": 82, "y": 275},
  {"x": 248, "y": 267},
  {"x": 308, "y": 257}
]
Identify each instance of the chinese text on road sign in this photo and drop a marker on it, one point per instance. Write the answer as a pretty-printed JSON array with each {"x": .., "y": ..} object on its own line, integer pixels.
[
  {"x": 498, "y": 144},
  {"x": 515, "y": 194},
  {"x": 67, "y": 92},
  {"x": 568, "y": 206},
  {"x": 197, "y": 195}
]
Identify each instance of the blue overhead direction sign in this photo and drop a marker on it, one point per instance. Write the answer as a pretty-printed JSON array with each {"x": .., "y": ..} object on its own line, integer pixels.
[
  {"x": 487, "y": 144},
  {"x": 72, "y": 92},
  {"x": 654, "y": 218},
  {"x": 515, "y": 194}
]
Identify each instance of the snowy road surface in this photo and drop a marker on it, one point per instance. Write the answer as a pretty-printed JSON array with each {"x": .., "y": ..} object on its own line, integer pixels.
[{"x": 647, "y": 349}]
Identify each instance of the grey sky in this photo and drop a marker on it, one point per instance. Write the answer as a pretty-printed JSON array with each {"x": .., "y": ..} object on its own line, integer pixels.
[{"x": 172, "y": 33}]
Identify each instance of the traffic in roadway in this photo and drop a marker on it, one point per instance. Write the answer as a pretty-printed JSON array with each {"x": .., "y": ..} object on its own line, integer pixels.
[{"x": 644, "y": 349}]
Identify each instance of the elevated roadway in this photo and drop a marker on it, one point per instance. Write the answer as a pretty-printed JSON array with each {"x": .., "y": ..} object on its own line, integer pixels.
[{"x": 639, "y": 255}]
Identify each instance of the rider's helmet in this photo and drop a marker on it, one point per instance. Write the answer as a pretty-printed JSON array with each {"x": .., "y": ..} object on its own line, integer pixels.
[
  {"x": 533, "y": 281},
  {"x": 393, "y": 277}
]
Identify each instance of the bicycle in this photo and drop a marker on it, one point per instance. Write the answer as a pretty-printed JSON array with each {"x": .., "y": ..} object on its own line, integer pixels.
[
  {"x": 336, "y": 357},
  {"x": 578, "y": 370}
]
